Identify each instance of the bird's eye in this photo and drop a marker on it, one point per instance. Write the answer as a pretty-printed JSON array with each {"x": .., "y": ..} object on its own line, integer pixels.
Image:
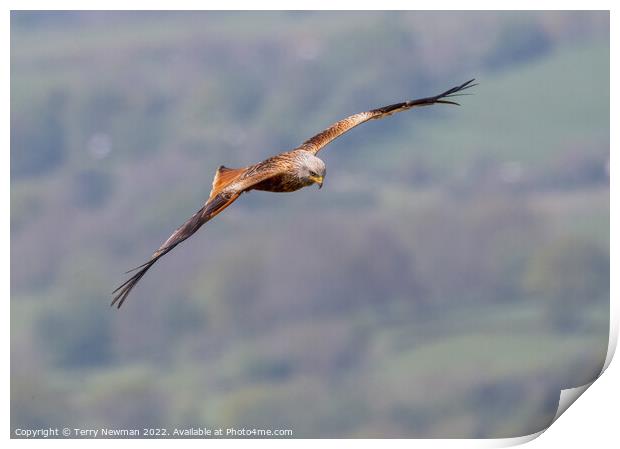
[{"x": 313, "y": 173}]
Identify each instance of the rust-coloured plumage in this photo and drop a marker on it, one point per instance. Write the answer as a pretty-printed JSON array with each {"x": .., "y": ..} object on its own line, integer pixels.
[{"x": 286, "y": 172}]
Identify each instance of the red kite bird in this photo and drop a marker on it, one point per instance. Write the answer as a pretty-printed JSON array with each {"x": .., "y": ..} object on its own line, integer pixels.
[{"x": 286, "y": 172}]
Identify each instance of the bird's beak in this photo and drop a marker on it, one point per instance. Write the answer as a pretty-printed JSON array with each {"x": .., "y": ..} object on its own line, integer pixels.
[{"x": 318, "y": 180}]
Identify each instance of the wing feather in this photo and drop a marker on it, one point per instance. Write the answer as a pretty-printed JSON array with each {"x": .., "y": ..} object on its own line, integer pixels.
[
  {"x": 223, "y": 194},
  {"x": 213, "y": 207},
  {"x": 317, "y": 142}
]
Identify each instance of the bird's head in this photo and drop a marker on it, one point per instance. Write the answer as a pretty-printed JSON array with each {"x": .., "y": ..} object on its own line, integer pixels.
[{"x": 311, "y": 169}]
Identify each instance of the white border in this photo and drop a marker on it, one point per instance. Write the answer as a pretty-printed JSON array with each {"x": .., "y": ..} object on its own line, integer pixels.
[
  {"x": 311, "y": 5},
  {"x": 592, "y": 422}
]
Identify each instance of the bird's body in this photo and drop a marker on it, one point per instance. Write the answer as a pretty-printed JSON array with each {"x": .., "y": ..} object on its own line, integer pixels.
[
  {"x": 292, "y": 170},
  {"x": 285, "y": 172}
]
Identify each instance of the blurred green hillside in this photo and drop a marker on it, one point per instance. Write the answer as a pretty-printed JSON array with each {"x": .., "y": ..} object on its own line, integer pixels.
[{"x": 448, "y": 280}]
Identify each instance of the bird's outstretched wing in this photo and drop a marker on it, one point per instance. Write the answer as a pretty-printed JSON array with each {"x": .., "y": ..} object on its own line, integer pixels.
[
  {"x": 317, "y": 142},
  {"x": 220, "y": 198}
]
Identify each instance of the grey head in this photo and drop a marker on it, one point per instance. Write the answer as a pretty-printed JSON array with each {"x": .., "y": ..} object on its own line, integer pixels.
[{"x": 310, "y": 169}]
